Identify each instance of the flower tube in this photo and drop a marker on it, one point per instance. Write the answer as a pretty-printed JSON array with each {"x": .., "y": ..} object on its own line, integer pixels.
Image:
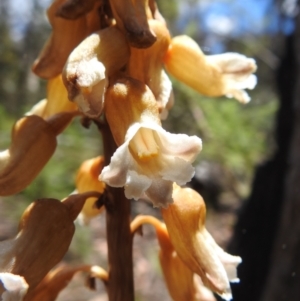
[
  {"x": 212, "y": 75},
  {"x": 146, "y": 65},
  {"x": 148, "y": 159},
  {"x": 185, "y": 221}
]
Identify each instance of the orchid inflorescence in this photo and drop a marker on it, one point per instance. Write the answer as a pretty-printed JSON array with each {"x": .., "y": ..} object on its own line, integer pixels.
[{"x": 107, "y": 61}]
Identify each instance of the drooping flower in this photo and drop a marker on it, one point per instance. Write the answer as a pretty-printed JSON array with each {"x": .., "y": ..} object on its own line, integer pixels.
[
  {"x": 180, "y": 279},
  {"x": 90, "y": 64},
  {"x": 87, "y": 180},
  {"x": 185, "y": 221},
  {"x": 212, "y": 75},
  {"x": 149, "y": 159}
]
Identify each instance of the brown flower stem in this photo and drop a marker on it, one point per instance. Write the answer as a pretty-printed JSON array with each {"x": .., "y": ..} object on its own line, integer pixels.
[{"x": 119, "y": 238}]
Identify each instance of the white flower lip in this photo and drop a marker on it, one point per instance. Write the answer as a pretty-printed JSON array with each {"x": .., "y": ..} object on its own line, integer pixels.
[
  {"x": 153, "y": 173},
  {"x": 15, "y": 285}
]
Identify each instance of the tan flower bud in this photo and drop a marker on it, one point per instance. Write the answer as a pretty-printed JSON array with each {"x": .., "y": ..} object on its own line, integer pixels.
[
  {"x": 131, "y": 17},
  {"x": 87, "y": 180},
  {"x": 86, "y": 72},
  {"x": 66, "y": 35},
  {"x": 216, "y": 75},
  {"x": 57, "y": 279},
  {"x": 185, "y": 220},
  {"x": 146, "y": 65},
  {"x": 33, "y": 143}
]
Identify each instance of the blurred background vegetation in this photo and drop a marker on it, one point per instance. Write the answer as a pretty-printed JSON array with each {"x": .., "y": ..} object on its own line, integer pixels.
[{"x": 236, "y": 137}]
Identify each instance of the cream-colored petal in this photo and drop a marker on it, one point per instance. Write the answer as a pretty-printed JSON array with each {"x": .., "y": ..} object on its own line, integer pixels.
[
  {"x": 15, "y": 287},
  {"x": 90, "y": 64}
]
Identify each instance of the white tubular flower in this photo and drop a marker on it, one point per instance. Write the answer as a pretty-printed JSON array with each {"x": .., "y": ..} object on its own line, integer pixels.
[
  {"x": 148, "y": 159},
  {"x": 212, "y": 75}
]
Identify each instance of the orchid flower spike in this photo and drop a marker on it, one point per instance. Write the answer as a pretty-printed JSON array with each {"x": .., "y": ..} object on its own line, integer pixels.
[
  {"x": 185, "y": 221},
  {"x": 87, "y": 180},
  {"x": 148, "y": 159},
  {"x": 212, "y": 75},
  {"x": 146, "y": 65},
  {"x": 86, "y": 72}
]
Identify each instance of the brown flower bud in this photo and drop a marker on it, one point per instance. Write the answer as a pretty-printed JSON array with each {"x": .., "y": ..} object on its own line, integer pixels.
[{"x": 131, "y": 17}]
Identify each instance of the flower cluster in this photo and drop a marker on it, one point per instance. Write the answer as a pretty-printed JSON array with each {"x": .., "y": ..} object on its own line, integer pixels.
[{"x": 108, "y": 62}]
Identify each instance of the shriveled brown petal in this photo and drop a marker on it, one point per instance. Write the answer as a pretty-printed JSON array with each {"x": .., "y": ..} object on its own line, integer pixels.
[
  {"x": 45, "y": 233},
  {"x": 66, "y": 35},
  {"x": 131, "y": 17},
  {"x": 73, "y": 9},
  {"x": 146, "y": 65},
  {"x": 33, "y": 143},
  {"x": 90, "y": 64},
  {"x": 57, "y": 279}
]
